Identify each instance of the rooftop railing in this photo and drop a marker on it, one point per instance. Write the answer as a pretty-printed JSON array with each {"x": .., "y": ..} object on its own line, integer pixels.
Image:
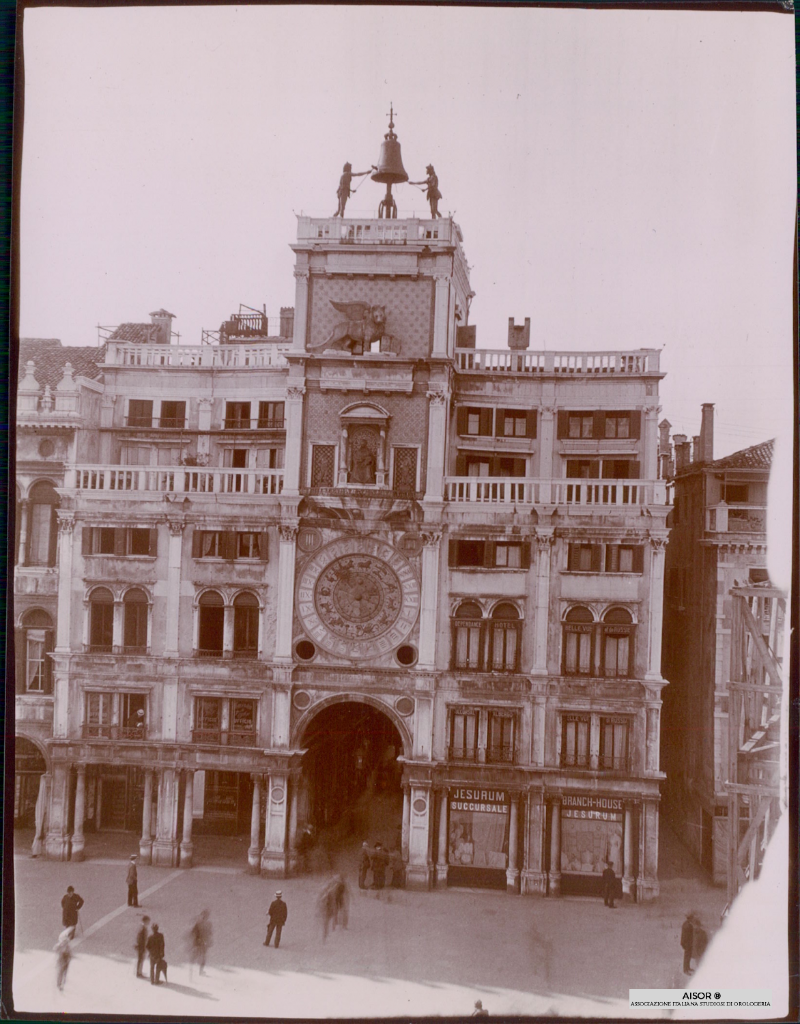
[
  {"x": 486, "y": 360},
  {"x": 725, "y": 518},
  {"x": 106, "y": 480},
  {"x": 526, "y": 491},
  {"x": 269, "y": 354},
  {"x": 372, "y": 230}
]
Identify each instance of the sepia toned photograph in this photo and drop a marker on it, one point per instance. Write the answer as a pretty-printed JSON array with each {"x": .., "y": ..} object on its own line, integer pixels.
[{"x": 402, "y": 555}]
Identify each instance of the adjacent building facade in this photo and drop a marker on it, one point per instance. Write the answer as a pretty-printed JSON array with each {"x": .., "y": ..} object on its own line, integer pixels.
[
  {"x": 717, "y": 543},
  {"x": 354, "y": 507}
]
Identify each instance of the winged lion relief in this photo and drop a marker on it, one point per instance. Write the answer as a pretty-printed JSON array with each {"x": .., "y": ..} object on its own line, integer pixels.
[{"x": 363, "y": 326}]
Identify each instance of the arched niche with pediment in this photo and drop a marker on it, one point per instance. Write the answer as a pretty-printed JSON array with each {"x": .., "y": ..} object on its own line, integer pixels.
[{"x": 363, "y": 452}]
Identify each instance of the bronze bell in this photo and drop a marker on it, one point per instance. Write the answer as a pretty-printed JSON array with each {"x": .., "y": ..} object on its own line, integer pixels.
[{"x": 390, "y": 163}]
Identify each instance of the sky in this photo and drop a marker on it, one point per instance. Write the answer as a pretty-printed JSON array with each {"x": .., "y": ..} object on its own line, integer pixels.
[{"x": 626, "y": 179}]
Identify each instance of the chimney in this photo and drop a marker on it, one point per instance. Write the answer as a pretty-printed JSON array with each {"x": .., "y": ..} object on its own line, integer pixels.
[
  {"x": 67, "y": 391},
  {"x": 707, "y": 433},
  {"x": 663, "y": 437},
  {"x": 162, "y": 321},
  {"x": 287, "y": 321},
  {"x": 696, "y": 448},
  {"x": 519, "y": 337},
  {"x": 681, "y": 452}
]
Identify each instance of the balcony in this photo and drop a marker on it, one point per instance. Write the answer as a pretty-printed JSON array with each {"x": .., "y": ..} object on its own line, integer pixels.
[
  {"x": 254, "y": 424},
  {"x": 584, "y": 364},
  {"x": 134, "y": 480},
  {"x": 512, "y": 491},
  {"x": 725, "y": 518},
  {"x": 114, "y": 732},
  {"x": 220, "y": 738},
  {"x": 163, "y": 423},
  {"x": 603, "y": 763},
  {"x": 376, "y": 231},
  {"x": 266, "y": 355}
]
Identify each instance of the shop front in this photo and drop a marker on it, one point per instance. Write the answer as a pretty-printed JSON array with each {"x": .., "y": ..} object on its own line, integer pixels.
[
  {"x": 587, "y": 833},
  {"x": 478, "y": 837}
]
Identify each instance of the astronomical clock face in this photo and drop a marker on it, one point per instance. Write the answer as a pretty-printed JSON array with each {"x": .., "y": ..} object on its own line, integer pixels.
[{"x": 358, "y": 598}]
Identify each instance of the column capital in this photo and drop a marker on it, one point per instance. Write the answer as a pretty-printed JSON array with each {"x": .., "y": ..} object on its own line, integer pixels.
[
  {"x": 295, "y": 392},
  {"x": 66, "y": 522},
  {"x": 431, "y": 537},
  {"x": 544, "y": 541},
  {"x": 176, "y": 526},
  {"x": 288, "y": 532},
  {"x": 437, "y": 397},
  {"x": 301, "y": 275},
  {"x": 24, "y": 504},
  {"x": 658, "y": 541}
]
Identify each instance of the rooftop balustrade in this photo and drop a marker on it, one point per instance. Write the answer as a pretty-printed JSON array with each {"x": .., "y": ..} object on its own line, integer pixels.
[
  {"x": 253, "y": 357},
  {"x": 134, "y": 480},
  {"x": 490, "y": 360},
  {"x": 510, "y": 491},
  {"x": 374, "y": 230}
]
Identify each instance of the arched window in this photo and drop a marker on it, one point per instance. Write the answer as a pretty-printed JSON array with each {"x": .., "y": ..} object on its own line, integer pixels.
[
  {"x": 211, "y": 624},
  {"x": 42, "y": 532},
  {"x": 245, "y": 626},
  {"x": 468, "y": 639},
  {"x": 577, "y": 652},
  {"x": 134, "y": 637},
  {"x": 617, "y": 643},
  {"x": 34, "y": 665},
  {"x": 101, "y": 620},
  {"x": 505, "y": 630}
]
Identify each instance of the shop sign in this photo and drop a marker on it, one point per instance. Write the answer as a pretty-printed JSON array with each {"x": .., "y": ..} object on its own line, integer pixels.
[
  {"x": 597, "y": 808},
  {"x": 490, "y": 801}
]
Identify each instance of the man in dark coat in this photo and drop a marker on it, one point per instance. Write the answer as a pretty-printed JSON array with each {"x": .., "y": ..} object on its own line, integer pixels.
[
  {"x": 70, "y": 905},
  {"x": 141, "y": 946},
  {"x": 132, "y": 880},
  {"x": 609, "y": 885},
  {"x": 156, "y": 950},
  {"x": 687, "y": 938},
  {"x": 363, "y": 866},
  {"x": 699, "y": 939},
  {"x": 380, "y": 861},
  {"x": 278, "y": 912}
]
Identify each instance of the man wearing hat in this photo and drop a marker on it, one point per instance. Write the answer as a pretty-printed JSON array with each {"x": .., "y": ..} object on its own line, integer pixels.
[
  {"x": 687, "y": 938},
  {"x": 133, "y": 883},
  {"x": 278, "y": 912}
]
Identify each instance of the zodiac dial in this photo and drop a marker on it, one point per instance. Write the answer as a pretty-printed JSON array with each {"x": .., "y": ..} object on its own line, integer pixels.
[{"x": 358, "y": 598}]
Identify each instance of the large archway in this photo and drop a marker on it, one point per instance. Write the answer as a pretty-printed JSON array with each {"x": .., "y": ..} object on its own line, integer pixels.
[
  {"x": 29, "y": 766},
  {"x": 351, "y": 783}
]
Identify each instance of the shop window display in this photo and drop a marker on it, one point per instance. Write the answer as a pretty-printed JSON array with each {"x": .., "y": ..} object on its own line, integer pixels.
[{"x": 478, "y": 833}]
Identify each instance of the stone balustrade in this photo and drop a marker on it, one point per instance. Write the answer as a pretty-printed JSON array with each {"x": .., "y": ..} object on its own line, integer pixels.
[
  {"x": 495, "y": 360},
  {"x": 133, "y": 480},
  {"x": 252, "y": 357},
  {"x": 526, "y": 491}
]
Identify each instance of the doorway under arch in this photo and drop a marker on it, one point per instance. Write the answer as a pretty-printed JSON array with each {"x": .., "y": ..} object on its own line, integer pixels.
[{"x": 350, "y": 790}]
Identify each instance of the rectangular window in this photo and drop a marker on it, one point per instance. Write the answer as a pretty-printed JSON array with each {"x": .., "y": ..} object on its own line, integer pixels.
[
  {"x": 583, "y": 469},
  {"x": 478, "y": 466},
  {"x": 133, "y": 716},
  {"x": 508, "y": 556},
  {"x": 505, "y": 645},
  {"x": 500, "y": 739},
  {"x": 468, "y": 643},
  {"x": 515, "y": 424},
  {"x": 134, "y": 636},
  {"x": 323, "y": 464},
  {"x": 474, "y": 422},
  {"x": 735, "y": 494},
  {"x": 614, "y": 744},
  {"x": 173, "y": 414},
  {"x": 140, "y": 413},
  {"x": 618, "y": 424},
  {"x": 464, "y": 736},
  {"x": 578, "y": 649},
  {"x": 248, "y": 545},
  {"x": 138, "y": 542},
  {"x": 580, "y": 558},
  {"x": 620, "y": 469},
  {"x": 41, "y": 530},
  {"x": 469, "y": 552},
  {"x": 575, "y": 741},
  {"x": 581, "y": 425},
  {"x": 243, "y": 723},
  {"x": 38, "y": 665},
  {"x": 616, "y": 651},
  {"x": 237, "y": 415},
  {"x": 624, "y": 558},
  {"x": 405, "y": 469},
  {"x": 270, "y": 415},
  {"x": 98, "y": 714},
  {"x": 207, "y": 720}
]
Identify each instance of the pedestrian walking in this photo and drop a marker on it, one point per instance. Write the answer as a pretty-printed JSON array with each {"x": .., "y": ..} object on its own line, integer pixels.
[
  {"x": 341, "y": 902},
  {"x": 63, "y": 949},
  {"x": 363, "y": 866},
  {"x": 687, "y": 938},
  {"x": 132, "y": 879},
  {"x": 699, "y": 939},
  {"x": 326, "y": 908},
  {"x": 479, "y": 1010},
  {"x": 156, "y": 951},
  {"x": 305, "y": 843},
  {"x": 71, "y": 903},
  {"x": 380, "y": 861},
  {"x": 398, "y": 870},
  {"x": 609, "y": 885},
  {"x": 200, "y": 939},
  {"x": 278, "y": 912},
  {"x": 141, "y": 946}
]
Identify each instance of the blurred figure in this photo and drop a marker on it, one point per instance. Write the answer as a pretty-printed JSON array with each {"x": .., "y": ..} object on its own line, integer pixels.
[
  {"x": 479, "y": 1010},
  {"x": 305, "y": 842},
  {"x": 70, "y": 905},
  {"x": 141, "y": 946},
  {"x": 380, "y": 861},
  {"x": 363, "y": 866},
  {"x": 398, "y": 870},
  {"x": 326, "y": 908},
  {"x": 341, "y": 901},
  {"x": 63, "y": 950},
  {"x": 155, "y": 950},
  {"x": 687, "y": 935},
  {"x": 200, "y": 938}
]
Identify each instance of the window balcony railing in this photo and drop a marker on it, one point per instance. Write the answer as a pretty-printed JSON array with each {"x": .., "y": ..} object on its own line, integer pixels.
[
  {"x": 134, "y": 648},
  {"x": 258, "y": 423},
  {"x": 241, "y": 738},
  {"x": 99, "y": 649},
  {"x": 222, "y": 738},
  {"x": 133, "y": 480},
  {"x": 502, "y": 753},
  {"x": 496, "y": 360},
  {"x": 604, "y": 763},
  {"x": 212, "y": 736},
  {"x": 485, "y": 490},
  {"x": 250, "y": 652},
  {"x": 576, "y": 761},
  {"x": 456, "y": 753},
  {"x": 208, "y": 652},
  {"x": 114, "y": 732},
  {"x": 163, "y": 423}
]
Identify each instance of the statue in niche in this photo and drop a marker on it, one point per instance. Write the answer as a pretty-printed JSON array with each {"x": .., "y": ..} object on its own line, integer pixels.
[{"x": 362, "y": 461}]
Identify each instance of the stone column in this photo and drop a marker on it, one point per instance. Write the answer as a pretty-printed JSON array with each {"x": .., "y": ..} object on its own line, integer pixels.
[
  {"x": 118, "y": 627},
  {"x": 441, "y": 314},
  {"x": 23, "y": 507},
  {"x": 174, "y": 555},
  {"x": 651, "y": 739},
  {"x": 555, "y": 847},
  {"x": 656, "y": 611},
  {"x": 512, "y": 872},
  {"x": 429, "y": 599},
  {"x": 380, "y": 462},
  {"x": 273, "y": 856},
  {"x": 285, "y": 597},
  {"x": 419, "y": 871},
  {"x": 187, "y": 849},
  {"x": 294, "y": 435},
  {"x": 437, "y": 441},
  {"x": 539, "y": 719},
  {"x": 342, "y": 467},
  {"x": 146, "y": 842},
  {"x": 57, "y": 840},
  {"x": 627, "y": 853},
  {"x": 294, "y": 796},
  {"x": 78, "y": 840},
  {"x": 227, "y": 631},
  {"x": 441, "y": 859},
  {"x": 300, "y": 309},
  {"x": 650, "y": 443},
  {"x": 546, "y": 437},
  {"x": 66, "y": 525},
  {"x": 165, "y": 847},
  {"x": 254, "y": 853},
  {"x": 406, "y": 822},
  {"x": 647, "y": 887},
  {"x": 544, "y": 548},
  {"x": 534, "y": 879}
]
